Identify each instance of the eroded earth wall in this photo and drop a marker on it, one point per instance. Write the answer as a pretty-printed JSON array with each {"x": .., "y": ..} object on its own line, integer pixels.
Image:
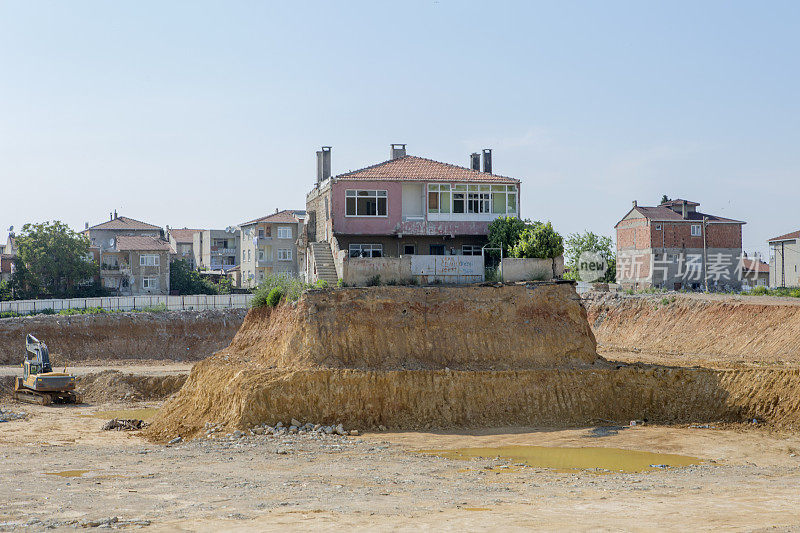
[{"x": 174, "y": 335}]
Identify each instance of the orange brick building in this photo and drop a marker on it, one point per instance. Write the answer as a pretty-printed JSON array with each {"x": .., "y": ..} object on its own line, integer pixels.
[{"x": 674, "y": 246}]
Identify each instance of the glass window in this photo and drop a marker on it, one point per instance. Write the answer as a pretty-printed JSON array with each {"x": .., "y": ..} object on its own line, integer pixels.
[
  {"x": 438, "y": 198},
  {"x": 470, "y": 249},
  {"x": 284, "y": 232},
  {"x": 149, "y": 283},
  {"x": 437, "y": 249},
  {"x": 499, "y": 202},
  {"x": 149, "y": 260},
  {"x": 284, "y": 254},
  {"x": 478, "y": 202},
  {"x": 366, "y": 250},
  {"x": 696, "y": 232},
  {"x": 365, "y": 203},
  {"x": 409, "y": 249},
  {"x": 459, "y": 202},
  {"x": 512, "y": 202}
]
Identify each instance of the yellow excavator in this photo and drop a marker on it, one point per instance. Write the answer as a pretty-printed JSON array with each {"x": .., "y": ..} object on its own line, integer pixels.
[{"x": 39, "y": 384}]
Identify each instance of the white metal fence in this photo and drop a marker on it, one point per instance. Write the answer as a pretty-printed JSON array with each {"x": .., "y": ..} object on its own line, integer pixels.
[{"x": 197, "y": 302}]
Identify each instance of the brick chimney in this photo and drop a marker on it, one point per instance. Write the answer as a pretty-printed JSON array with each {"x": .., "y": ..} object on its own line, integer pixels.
[
  {"x": 397, "y": 151},
  {"x": 323, "y": 164},
  {"x": 475, "y": 161},
  {"x": 487, "y": 160}
]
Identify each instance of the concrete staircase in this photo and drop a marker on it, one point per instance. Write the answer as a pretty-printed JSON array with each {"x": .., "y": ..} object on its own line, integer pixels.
[{"x": 323, "y": 258}]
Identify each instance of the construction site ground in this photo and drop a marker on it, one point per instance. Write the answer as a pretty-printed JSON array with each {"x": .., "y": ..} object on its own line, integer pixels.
[
  {"x": 61, "y": 471},
  {"x": 748, "y": 478}
]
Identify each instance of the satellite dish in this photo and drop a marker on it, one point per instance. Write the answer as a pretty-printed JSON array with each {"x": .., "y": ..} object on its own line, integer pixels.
[
  {"x": 10, "y": 229},
  {"x": 111, "y": 241}
]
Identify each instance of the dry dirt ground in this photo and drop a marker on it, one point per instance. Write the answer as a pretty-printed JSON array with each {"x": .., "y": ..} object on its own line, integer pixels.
[{"x": 748, "y": 480}]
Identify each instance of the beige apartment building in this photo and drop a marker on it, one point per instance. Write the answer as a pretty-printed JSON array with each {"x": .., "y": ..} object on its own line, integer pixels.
[
  {"x": 216, "y": 250},
  {"x": 182, "y": 242},
  {"x": 784, "y": 264},
  {"x": 133, "y": 255},
  {"x": 268, "y": 245}
]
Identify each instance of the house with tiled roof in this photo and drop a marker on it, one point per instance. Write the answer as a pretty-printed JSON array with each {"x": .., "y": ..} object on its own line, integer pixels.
[
  {"x": 269, "y": 245},
  {"x": 133, "y": 255},
  {"x": 182, "y": 241},
  {"x": 407, "y": 205},
  {"x": 755, "y": 272},
  {"x": 785, "y": 260},
  {"x": 675, "y": 246}
]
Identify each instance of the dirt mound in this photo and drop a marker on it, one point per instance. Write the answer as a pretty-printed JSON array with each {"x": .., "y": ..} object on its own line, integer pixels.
[
  {"x": 174, "y": 335},
  {"x": 282, "y": 359},
  {"x": 425, "y": 399},
  {"x": 689, "y": 325},
  {"x": 415, "y": 328},
  {"x": 112, "y": 385}
]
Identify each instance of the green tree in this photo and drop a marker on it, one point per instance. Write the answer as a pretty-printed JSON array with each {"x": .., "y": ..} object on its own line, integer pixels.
[
  {"x": 578, "y": 243},
  {"x": 53, "y": 261},
  {"x": 665, "y": 199},
  {"x": 504, "y": 232},
  {"x": 5, "y": 291},
  {"x": 184, "y": 280},
  {"x": 539, "y": 240}
]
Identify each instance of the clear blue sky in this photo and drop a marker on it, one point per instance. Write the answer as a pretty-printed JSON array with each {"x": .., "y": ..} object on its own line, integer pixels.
[{"x": 206, "y": 114}]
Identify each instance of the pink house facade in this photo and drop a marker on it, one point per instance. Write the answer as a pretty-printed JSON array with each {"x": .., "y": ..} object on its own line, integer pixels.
[{"x": 408, "y": 205}]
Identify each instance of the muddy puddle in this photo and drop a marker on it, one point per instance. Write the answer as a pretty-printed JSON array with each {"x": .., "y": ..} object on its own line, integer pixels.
[
  {"x": 145, "y": 413},
  {"x": 562, "y": 459},
  {"x": 67, "y": 473}
]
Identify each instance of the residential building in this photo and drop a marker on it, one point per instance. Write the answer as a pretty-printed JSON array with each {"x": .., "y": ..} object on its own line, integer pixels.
[
  {"x": 406, "y": 205},
  {"x": 136, "y": 265},
  {"x": 9, "y": 248},
  {"x": 133, "y": 255},
  {"x": 755, "y": 272},
  {"x": 269, "y": 245},
  {"x": 674, "y": 246},
  {"x": 182, "y": 242},
  {"x": 6, "y": 266},
  {"x": 216, "y": 250},
  {"x": 784, "y": 260}
]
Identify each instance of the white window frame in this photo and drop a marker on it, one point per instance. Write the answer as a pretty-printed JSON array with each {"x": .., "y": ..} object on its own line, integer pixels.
[
  {"x": 282, "y": 230},
  {"x": 369, "y": 248},
  {"x": 699, "y": 230},
  {"x": 149, "y": 282},
  {"x": 355, "y": 194},
  {"x": 149, "y": 260},
  {"x": 284, "y": 254}
]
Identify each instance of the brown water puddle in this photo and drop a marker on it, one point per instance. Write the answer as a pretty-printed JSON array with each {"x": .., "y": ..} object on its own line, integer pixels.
[
  {"x": 571, "y": 459},
  {"x": 144, "y": 413},
  {"x": 67, "y": 473}
]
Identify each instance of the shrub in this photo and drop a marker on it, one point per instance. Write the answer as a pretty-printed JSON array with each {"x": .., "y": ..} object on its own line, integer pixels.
[
  {"x": 158, "y": 308},
  {"x": 374, "y": 281},
  {"x": 341, "y": 283},
  {"x": 274, "y": 297},
  {"x": 291, "y": 287},
  {"x": 760, "y": 291},
  {"x": 321, "y": 284},
  {"x": 492, "y": 274}
]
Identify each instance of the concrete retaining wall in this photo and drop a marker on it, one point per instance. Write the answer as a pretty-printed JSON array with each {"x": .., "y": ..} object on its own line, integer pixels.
[{"x": 515, "y": 269}]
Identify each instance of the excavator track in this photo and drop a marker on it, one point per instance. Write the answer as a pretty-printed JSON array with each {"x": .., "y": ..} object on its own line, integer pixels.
[{"x": 24, "y": 394}]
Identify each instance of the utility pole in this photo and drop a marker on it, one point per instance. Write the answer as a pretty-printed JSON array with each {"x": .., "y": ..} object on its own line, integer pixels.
[
  {"x": 783, "y": 265},
  {"x": 705, "y": 254}
]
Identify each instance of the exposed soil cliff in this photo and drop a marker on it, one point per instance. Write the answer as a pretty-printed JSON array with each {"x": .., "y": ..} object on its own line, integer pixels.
[
  {"x": 176, "y": 335},
  {"x": 757, "y": 329}
]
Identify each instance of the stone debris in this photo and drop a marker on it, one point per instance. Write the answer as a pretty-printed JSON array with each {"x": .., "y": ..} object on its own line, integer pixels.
[
  {"x": 212, "y": 430},
  {"x": 7, "y": 416},
  {"x": 124, "y": 424},
  {"x": 176, "y": 440}
]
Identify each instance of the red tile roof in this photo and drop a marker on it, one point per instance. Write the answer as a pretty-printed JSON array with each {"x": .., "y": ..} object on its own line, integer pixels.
[
  {"x": 141, "y": 243},
  {"x": 413, "y": 168},
  {"x": 788, "y": 237},
  {"x": 751, "y": 265},
  {"x": 665, "y": 214},
  {"x": 183, "y": 235},
  {"x": 124, "y": 223},
  {"x": 287, "y": 216}
]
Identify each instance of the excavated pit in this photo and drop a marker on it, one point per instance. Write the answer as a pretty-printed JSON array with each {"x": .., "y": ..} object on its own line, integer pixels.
[{"x": 425, "y": 357}]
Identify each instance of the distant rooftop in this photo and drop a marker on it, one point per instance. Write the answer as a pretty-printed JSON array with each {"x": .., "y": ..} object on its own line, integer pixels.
[
  {"x": 413, "y": 168},
  {"x": 124, "y": 223}
]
